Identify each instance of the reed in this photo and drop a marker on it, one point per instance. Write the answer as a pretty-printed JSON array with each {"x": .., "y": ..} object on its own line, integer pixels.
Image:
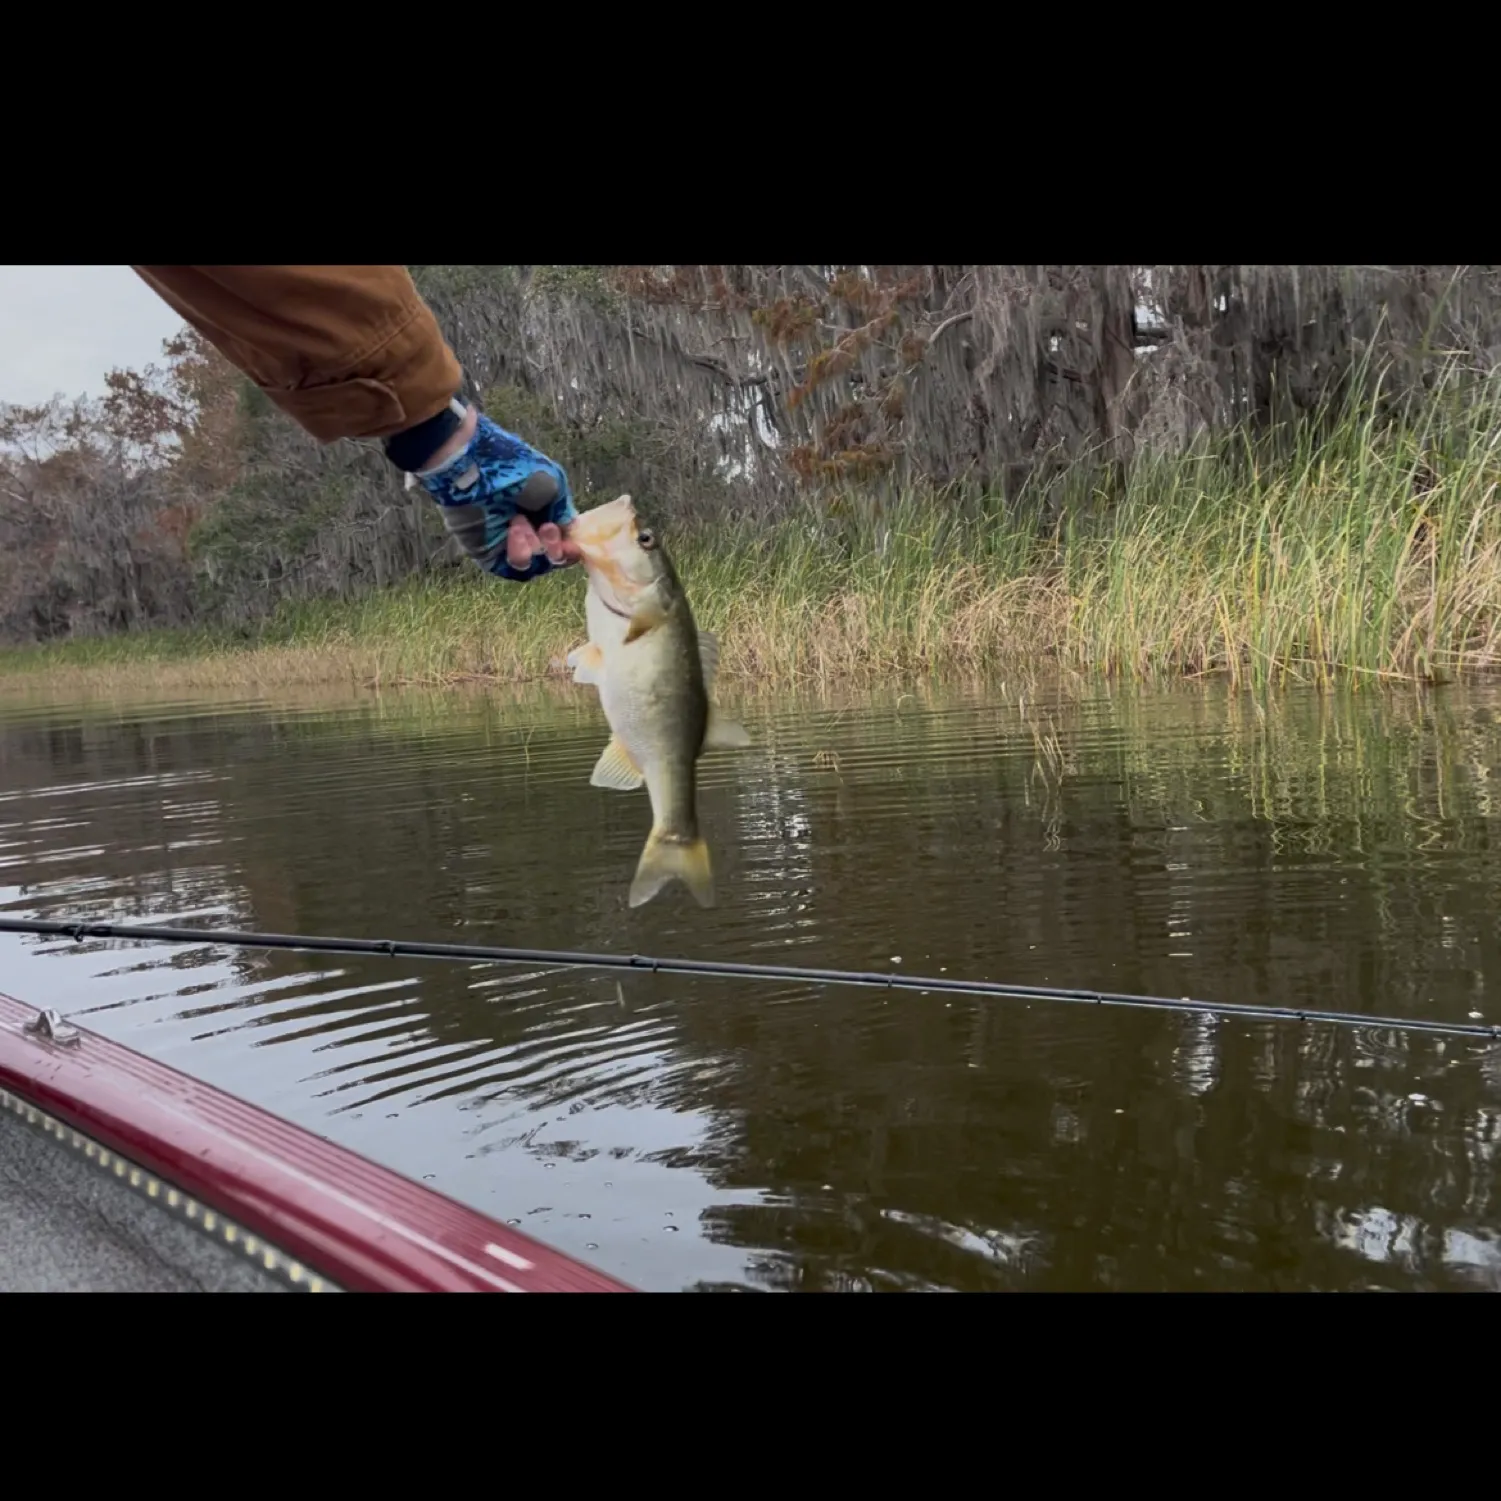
[{"x": 1356, "y": 544}]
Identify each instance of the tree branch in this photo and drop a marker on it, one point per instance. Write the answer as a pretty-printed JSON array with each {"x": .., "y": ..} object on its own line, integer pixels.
[
  {"x": 704, "y": 361},
  {"x": 812, "y": 281},
  {"x": 948, "y": 323}
]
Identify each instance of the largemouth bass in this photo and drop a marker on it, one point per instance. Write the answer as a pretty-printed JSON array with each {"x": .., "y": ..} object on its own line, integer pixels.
[{"x": 654, "y": 670}]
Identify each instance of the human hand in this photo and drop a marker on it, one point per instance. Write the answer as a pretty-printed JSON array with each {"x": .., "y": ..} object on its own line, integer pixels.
[
  {"x": 508, "y": 505},
  {"x": 524, "y": 542}
]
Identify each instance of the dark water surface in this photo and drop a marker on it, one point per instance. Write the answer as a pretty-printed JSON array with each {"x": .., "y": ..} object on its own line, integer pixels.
[{"x": 1335, "y": 852}]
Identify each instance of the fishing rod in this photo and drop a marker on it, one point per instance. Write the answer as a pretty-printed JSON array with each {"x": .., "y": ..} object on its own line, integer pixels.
[{"x": 562, "y": 959}]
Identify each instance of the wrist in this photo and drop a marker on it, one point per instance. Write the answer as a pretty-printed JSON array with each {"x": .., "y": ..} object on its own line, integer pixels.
[{"x": 429, "y": 445}]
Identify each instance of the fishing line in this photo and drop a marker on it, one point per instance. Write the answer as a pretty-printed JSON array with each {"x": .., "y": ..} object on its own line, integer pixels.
[{"x": 562, "y": 959}]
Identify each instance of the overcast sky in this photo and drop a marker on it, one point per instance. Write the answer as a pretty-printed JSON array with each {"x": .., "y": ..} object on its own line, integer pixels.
[{"x": 63, "y": 328}]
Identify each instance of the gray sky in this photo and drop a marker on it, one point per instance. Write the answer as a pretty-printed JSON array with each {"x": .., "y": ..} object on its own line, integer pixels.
[{"x": 63, "y": 328}]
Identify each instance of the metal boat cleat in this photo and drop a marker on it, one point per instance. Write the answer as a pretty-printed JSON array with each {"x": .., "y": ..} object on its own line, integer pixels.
[{"x": 50, "y": 1025}]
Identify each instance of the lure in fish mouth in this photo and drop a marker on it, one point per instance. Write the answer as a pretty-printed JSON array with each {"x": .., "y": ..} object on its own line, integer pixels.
[{"x": 654, "y": 670}]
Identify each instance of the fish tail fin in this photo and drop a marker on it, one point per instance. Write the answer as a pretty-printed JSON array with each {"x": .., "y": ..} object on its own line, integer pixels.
[{"x": 665, "y": 860}]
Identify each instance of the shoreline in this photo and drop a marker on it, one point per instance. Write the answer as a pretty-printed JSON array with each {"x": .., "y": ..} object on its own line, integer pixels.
[
  {"x": 1361, "y": 552},
  {"x": 351, "y": 647}
]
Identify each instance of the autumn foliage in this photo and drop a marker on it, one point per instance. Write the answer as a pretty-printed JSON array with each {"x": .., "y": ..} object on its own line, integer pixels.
[{"x": 180, "y": 495}]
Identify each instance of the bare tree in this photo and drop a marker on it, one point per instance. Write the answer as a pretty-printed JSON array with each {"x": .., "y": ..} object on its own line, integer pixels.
[{"x": 183, "y": 495}]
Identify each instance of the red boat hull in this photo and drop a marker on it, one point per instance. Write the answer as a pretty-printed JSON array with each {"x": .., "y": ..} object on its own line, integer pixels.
[{"x": 317, "y": 1212}]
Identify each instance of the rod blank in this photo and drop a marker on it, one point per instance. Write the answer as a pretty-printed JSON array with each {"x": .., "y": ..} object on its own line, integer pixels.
[{"x": 563, "y": 959}]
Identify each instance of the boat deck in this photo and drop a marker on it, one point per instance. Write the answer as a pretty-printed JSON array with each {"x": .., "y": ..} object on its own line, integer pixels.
[{"x": 67, "y": 1224}]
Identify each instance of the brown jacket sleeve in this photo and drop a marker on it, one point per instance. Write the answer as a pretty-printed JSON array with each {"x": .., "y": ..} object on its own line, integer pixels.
[{"x": 345, "y": 351}]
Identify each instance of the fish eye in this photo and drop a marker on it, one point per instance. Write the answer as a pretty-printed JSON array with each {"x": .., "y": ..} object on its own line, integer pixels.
[{"x": 646, "y": 540}]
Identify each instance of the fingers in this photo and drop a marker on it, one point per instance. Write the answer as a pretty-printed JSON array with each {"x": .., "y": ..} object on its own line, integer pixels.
[
  {"x": 559, "y": 549},
  {"x": 524, "y": 542}
]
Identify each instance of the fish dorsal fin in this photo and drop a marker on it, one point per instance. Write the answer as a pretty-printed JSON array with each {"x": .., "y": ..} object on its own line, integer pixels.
[
  {"x": 587, "y": 662},
  {"x": 724, "y": 733},
  {"x": 615, "y": 769},
  {"x": 708, "y": 655}
]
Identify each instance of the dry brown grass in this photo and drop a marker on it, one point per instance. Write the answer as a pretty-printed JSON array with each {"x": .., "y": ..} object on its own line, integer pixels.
[{"x": 1371, "y": 553}]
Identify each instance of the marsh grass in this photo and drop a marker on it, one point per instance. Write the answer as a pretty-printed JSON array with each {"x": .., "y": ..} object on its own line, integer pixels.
[{"x": 1359, "y": 545}]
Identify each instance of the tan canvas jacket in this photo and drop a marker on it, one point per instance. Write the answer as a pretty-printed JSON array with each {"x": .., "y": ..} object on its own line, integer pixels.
[{"x": 345, "y": 351}]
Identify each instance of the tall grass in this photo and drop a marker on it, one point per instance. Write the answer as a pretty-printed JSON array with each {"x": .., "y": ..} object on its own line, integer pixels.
[{"x": 1355, "y": 544}]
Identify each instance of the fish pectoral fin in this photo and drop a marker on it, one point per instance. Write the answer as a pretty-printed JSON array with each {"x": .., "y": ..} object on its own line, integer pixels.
[
  {"x": 588, "y": 663},
  {"x": 615, "y": 769},
  {"x": 724, "y": 733},
  {"x": 708, "y": 656},
  {"x": 647, "y": 616},
  {"x": 665, "y": 860}
]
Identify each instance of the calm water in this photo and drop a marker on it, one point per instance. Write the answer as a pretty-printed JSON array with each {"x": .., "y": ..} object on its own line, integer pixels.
[{"x": 684, "y": 1133}]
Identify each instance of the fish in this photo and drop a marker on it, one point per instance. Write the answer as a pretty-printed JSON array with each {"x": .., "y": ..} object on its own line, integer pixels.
[{"x": 654, "y": 670}]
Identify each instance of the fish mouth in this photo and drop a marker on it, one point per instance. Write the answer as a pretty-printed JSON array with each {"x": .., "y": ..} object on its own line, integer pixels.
[{"x": 598, "y": 548}]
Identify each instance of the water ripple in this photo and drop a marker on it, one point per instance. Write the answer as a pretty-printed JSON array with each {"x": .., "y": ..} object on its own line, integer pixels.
[{"x": 714, "y": 1133}]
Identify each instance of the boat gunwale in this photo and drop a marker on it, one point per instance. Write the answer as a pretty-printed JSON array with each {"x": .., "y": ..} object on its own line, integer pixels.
[{"x": 363, "y": 1226}]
